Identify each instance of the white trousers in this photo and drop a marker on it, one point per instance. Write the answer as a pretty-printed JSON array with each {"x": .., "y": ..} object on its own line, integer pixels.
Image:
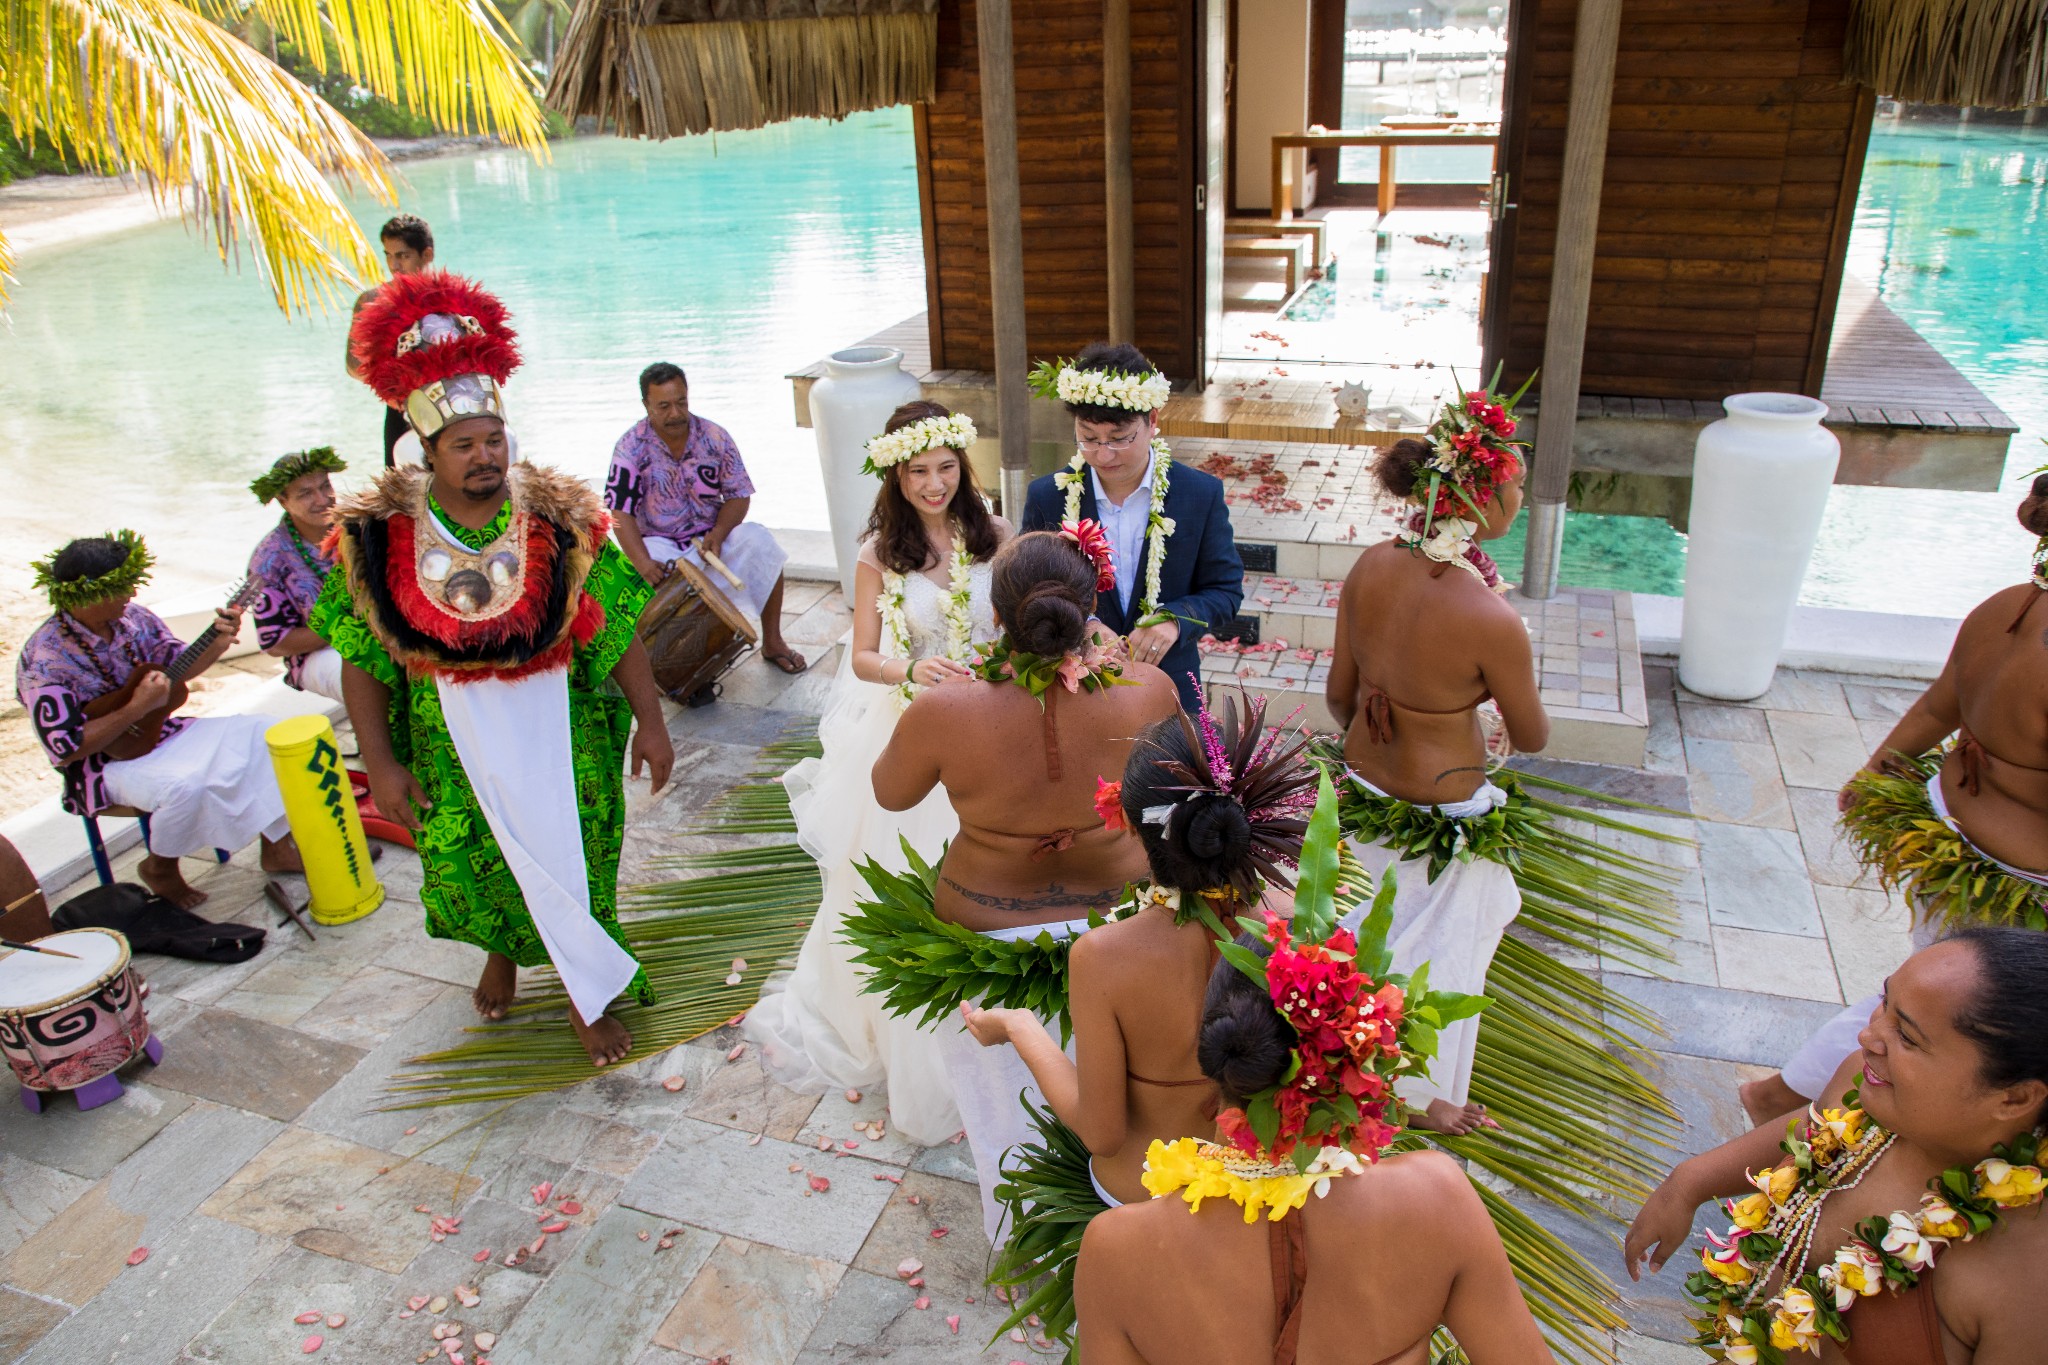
[
  {"x": 208, "y": 786},
  {"x": 750, "y": 551},
  {"x": 1809, "y": 1070},
  {"x": 321, "y": 674}
]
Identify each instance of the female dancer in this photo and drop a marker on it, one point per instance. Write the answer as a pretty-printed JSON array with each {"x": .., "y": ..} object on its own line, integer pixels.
[
  {"x": 1419, "y": 648},
  {"x": 1394, "y": 1248},
  {"x": 1963, "y": 830},
  {"x": 921, "y": 601},
  {"x": 1019, "y": 753},
  {"x": 1217, "y": 808},
  {"x": 1908, "y": 1231}
]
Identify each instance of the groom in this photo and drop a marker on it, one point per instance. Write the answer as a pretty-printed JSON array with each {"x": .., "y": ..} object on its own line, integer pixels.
[{"x": 1126, "y": 479}]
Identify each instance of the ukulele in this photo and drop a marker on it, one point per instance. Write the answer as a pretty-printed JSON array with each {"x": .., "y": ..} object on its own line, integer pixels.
[{"x": 148, "y": 732}]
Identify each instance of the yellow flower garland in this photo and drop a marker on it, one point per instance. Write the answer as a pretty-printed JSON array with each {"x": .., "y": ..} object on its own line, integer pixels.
[{"x": 1203, "y": 1170}]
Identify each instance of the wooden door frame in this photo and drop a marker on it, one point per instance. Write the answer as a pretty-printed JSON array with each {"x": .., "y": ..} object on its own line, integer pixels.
[{"x": 1516, "y": 95}]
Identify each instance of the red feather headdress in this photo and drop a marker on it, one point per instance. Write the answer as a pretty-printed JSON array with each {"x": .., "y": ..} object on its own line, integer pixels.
[{"x": 396, "y": 359}]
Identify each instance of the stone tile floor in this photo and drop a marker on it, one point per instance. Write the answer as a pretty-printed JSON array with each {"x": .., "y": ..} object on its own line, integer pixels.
[{"x": 257, "y": 1168}]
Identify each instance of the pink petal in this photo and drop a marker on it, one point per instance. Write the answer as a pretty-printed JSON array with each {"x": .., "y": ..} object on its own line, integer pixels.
[
  {"x": 892, "y": 1179},
  {"x": 820, "y": 1183},
  {"x": 336, "y": 1320},
  {"x": 937, "y": 1233},
  {"x": 953, "y": 1324},
  {"x": 311, "y": 1344},
  {"x": 739, "y": 1050},
  {"x": 909, "y": 1266},
  {"x": 482, "y": 1256},
  {"x": 536, "y": 1244},
  {"x": 853, "y": 1097},
  {"x": 569, "y": 1208},
  {"x": 416, "y": 1302},
  {"x": 917, "y": 1199},
  {"x": 542, "y": 1191},
  {"x": 922, "y": 1302},
  {"x": 138, "y": 1256},
  {"x": 556, "y": 1227},
  {"x": 673, "y": 1084},
  {"x": 421, "y": 1208},
  {"x": 795, "y": 1166},
  {"x": 917, "y": 1282},
  {"x": 643, "y": 1236},
  {"x": 410, "y": 1131},
  {"x": 306, "y": 1319},
  {"x": 849, "y": 1144},
  {"x": 754, "y": 1141}
]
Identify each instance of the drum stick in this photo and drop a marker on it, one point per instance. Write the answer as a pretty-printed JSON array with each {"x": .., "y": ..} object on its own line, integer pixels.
[
  {"x": 715, "y": 562},
  {"x": 31, "y": 948},
  {"x": 20, "y": 901}
]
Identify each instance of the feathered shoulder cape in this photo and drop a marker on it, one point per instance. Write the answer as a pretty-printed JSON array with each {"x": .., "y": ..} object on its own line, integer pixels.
[{"x": 561, "y": 525}]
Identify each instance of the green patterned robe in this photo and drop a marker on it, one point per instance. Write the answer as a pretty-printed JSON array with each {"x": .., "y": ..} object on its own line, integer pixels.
[{"x": 469, "y": 893}]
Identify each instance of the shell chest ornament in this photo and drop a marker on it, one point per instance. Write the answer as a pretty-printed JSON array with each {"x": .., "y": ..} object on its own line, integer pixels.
[{"x": 474, "y": 585}]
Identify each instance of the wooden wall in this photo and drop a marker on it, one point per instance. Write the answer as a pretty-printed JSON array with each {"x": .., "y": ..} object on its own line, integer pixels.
[
  {"x": 1733, "y": 161},
  {"x": 1059, "y": 135}
]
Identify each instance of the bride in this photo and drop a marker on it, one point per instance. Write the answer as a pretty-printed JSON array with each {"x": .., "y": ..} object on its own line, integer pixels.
[{"x": 921, "y": 600}]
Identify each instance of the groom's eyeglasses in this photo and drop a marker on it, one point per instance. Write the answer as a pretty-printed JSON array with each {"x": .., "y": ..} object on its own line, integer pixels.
[{"x": 1114, "y": 443}]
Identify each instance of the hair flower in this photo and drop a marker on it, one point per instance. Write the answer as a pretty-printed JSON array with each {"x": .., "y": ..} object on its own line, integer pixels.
[
  {"x": 1109, "y": 803},
  {"x": 1094, "y": 543}
]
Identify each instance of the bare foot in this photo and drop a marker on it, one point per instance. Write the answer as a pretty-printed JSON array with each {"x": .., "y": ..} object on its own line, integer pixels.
[
  {"x": 162, "y": 876},
  {"x": 1454, "y": 1120},
  {"x": 282, "y": 855},
  {"x": 496, "y": 987},
  {"x": 1769, "y": 1098},
  {"x": 606, "y": 1040}
]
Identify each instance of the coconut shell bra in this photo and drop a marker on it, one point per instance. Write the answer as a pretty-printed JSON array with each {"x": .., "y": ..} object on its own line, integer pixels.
[{"x": 514, "y": 607}]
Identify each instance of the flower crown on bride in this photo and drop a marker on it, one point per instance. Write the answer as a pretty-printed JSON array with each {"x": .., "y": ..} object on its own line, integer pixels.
[{"x": 955, "y": 431}]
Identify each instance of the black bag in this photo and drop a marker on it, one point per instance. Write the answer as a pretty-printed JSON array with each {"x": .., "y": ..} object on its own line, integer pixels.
[{"x": 152, "y": 924}]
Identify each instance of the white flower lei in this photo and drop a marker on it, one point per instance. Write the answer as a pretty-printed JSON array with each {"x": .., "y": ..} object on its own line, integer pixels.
[
  {"x": 955, "y": 432},
  {"x": 959, "y": 615},
  {"x": 1158, "y": 526},
  {"x": 1113, "y": 389}
]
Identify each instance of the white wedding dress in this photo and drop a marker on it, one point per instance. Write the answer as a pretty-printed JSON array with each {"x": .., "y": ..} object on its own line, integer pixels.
[{"x": 815, "y": 1030}]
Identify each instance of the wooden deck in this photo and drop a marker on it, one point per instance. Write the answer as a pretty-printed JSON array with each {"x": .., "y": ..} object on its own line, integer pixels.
[{"x": 1883, "y": 373}]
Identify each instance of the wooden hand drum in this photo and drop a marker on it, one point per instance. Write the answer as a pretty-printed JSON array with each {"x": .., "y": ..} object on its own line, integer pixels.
[{"x": 693, "y": 632}]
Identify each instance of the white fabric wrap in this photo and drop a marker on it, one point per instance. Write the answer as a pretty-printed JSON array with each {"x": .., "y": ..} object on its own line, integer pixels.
[
  {"x": 321, "y": 674},
  {"x": 990, "y": 1085},
  {"x": 750, "y": 551},
  {"x": 513, "y": 740},
  {"x": 209, "y": 786},
  {"x": 1454, "y": 924}
]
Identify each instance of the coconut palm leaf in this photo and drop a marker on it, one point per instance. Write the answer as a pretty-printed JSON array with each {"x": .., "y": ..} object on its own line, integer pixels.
[
  {"x": 157, "y": 88},
  {"x": 750, "y": 904}
]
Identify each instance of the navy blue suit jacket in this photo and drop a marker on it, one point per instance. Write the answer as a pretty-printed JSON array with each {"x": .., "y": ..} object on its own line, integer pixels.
[{"x": 1202, "y": 582}]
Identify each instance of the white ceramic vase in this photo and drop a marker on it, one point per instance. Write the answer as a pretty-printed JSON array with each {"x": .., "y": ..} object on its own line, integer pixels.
[
  {"x": 1760, "y": 481},
  {"x": 861, "y": 387}
]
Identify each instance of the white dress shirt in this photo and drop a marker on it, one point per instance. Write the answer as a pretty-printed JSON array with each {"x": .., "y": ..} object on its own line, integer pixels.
[{"x": 1125, "y": 527}]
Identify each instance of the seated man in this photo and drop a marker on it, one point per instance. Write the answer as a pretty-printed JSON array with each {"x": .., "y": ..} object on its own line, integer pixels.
[
  {"x": 675, "y": 477},
  {"x": 208, "y": 783},
  {"x": 290, "y": 565}
]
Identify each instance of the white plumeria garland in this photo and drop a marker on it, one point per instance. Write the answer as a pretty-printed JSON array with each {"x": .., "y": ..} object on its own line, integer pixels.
[
  {"x": 1061, "y": 380},
  {"x": 959, "y": 614},
  {"x": 1158, "y": 526},
  {"x": 952, "y": 432}
]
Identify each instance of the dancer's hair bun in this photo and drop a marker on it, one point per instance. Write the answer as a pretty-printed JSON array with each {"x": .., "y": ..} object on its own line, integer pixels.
[
  {"x": 1399, "y": 466},
  {"x": 2034, "y": 511},
  {"x": 1043, "y": 590},
  {"x": 1244, "y": 1046}
]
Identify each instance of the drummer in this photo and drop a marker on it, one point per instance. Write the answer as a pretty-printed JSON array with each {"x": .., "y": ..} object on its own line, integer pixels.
[{"x": 676, "y": 477}]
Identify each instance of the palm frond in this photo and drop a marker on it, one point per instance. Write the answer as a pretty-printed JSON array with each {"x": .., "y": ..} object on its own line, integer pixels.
[
  {"x": 446, "y": 59},
  {"x": 153, "y": 87}
]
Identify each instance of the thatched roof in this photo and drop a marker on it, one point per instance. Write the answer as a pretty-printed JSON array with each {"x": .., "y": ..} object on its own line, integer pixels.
[
  {"x": 662, "y": 68},
  {"x": 1989, "y": 53}
]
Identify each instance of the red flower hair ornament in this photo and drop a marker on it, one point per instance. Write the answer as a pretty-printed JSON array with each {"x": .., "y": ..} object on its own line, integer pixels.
[
  {"x": 1094, "y": 542},
  {"x": 437, "y": 346},
  {"x": 1359, "y": 1026}
]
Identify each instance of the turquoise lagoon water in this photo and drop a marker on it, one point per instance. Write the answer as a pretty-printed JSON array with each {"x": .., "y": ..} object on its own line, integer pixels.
[{"x": 142, "y": 385}]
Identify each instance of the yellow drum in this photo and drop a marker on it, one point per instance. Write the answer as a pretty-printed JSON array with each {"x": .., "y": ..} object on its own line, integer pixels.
[{"x": 321, "y": 806}]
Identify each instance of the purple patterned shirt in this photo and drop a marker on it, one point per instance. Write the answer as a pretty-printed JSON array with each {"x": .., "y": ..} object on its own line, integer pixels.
[
  {"x": 675, "y": 498},
  {"x": 63, "y": 666},
  {"x": 291, "y": 585}
]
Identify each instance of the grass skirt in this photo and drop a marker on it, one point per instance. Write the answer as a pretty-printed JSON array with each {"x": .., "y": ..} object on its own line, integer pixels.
[{"x": 1897, "y": 833}]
